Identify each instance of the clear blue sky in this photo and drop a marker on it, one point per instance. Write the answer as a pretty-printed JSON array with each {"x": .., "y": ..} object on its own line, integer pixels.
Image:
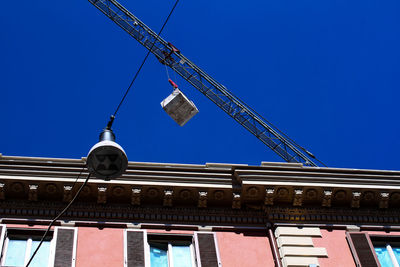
[{"x": 327, "y": 73}]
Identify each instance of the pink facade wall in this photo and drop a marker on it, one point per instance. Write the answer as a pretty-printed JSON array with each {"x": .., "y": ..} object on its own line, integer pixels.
[
  {"x": 29, "y": 226},
  {"x": 98, "y": 247},
  {"x": 381, "y": 233},
  {"x": 338, "y": 249},
  {"x": 239, "y": 250},
  {"x": 105, "y": 247}
]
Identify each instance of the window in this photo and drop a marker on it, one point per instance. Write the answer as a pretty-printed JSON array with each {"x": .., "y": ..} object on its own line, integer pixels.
[
  {"x": 18, "y": 244},
  {"x": 171, "y": 251},
  {"x": 374, "y": 250},
  {"x": 387, "y": 249},
  {"x": 18, "y": 249}
]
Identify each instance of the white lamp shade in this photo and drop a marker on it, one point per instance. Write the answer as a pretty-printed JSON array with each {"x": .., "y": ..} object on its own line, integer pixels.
[{"x": 107, "y": 160}]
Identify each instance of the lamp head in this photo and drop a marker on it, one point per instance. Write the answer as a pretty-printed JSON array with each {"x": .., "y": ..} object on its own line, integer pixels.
[{"x": 107, "y": 159}]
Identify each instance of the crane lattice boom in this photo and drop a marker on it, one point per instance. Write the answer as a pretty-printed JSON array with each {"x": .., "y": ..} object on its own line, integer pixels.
[{"x": 167, "y": 54}]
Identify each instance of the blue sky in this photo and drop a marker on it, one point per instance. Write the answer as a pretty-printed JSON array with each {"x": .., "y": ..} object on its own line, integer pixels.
[{"x": 327, "y": 73}]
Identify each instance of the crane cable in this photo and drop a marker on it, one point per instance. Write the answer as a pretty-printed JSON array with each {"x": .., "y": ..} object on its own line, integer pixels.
[
  {"x": 141, "y": 65},
  {"x": 108, "y": 126}
]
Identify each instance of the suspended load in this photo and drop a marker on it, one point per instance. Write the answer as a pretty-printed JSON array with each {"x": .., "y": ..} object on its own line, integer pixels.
[{"x": 178, "y": 106}]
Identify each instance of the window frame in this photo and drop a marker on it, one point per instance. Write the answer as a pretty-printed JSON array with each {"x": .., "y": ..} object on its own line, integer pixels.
[
  {"x": 25, "y": 234},
  {"x": 170, "y": 239},
  {"x": 371, "y": 239},
  {"x": 195, "y": 250},
  {"x": 387, "y": 240}
]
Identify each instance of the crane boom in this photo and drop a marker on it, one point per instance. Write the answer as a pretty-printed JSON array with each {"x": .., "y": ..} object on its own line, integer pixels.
[{"x": 168, "y": 55}]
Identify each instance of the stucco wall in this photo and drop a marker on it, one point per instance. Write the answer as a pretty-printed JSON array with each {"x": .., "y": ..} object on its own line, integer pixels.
[
  {"x": 100, "y": 247},
  {"x": 339, "y": 253},
  {"x": 241, "y": 250}
]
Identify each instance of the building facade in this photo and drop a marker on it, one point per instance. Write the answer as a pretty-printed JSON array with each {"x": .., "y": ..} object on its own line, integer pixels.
[{"x": 180, "y": 215}]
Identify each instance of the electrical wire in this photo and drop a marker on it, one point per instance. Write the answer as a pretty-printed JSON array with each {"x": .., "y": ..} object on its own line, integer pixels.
[
  {"x": 58, "y": 216},
  {"x": 109, "y": 126},
  {"x": 144, "y": 60}
]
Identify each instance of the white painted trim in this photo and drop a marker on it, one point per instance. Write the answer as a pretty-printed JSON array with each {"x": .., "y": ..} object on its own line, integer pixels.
[
  {"x": 28, "y": 249},
  {"x": 146, "y": 247},
  {"x": 52, "y": 252},
  {"x": 170, "y": 258},
  {"x": 138, "y": 180},
  {"x": 333, "y": 185},
  {"x": 74, "y": 251},
  {"x": 125, "y": 249},
  {"x": 217, "y": 250},
  {"x": 193, "y": 254},
  {"x": 55, "y": 235},
  {"x": 196, "y": 245},
  {"x": 392, "y": 256},
  {"x": 2, "y": 240},
  {"x": 4, "y": 250}
]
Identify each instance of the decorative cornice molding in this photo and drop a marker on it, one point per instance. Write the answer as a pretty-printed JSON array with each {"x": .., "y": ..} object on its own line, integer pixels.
[
  {"x": 67, "y": 193},
  {"x": 168, "y": 198},
  {"x": 236, "y": 204},
  {"x": 355, "y": 202},
  {"x": 2, "y": 197},
  {"x": 102, "y": 194},
  {"x": 384, "y": 200},
  {"x": 33, "y": 196},
  {"x": 327, "y": 199},
  {"x": 202, "y": 202},
  {"x": 298, "y": 197},
  {"x": 135, "y": 198},
  {"x": 269, "y": 196},
  {"x": 232, "y": 187}
]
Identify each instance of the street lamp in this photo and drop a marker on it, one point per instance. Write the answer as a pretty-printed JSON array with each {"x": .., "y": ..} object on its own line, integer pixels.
[{"x": 107, "y": 159}]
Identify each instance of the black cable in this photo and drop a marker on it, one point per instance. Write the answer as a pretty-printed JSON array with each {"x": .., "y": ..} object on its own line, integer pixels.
[
  {"x": 57, "y": 217},
  {"x": 144, "y": 60}
]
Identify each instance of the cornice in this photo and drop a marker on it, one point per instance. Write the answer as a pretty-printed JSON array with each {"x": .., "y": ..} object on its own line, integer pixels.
[{"x": 274, "y": 190}]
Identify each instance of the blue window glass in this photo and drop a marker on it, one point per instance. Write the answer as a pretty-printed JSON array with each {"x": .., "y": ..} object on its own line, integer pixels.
[
  {"x": 42, "y": 256},
  {"x": 383, "y": 256},
  {"x": 158, "y": 256},
  {"x": 17, "y": 249},
  {"x": 167, "y": 254},
  {"x": 181, "y": 256},
  {"x": 15, "y": 254}
]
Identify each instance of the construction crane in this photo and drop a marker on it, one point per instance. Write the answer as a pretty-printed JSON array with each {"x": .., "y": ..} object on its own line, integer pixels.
[{"x": 170, "y": 56}]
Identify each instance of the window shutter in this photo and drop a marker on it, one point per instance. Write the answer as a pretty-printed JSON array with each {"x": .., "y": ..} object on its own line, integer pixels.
[
  {"x": 207, "y": 250},
  {"x": 362, "y": 250},
  {"x": 135, "y": 249},
  {"x": 65, "y": 241}
]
